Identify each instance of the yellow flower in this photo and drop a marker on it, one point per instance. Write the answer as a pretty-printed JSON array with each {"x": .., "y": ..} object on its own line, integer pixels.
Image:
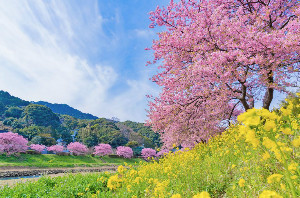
[
  {"x": 270, "y": 124},
  {"x": 269, "y": 194},
  {"x": 242, "y": 183},
  {"x": 233, "y": 165},
  {"x": 296, "y": 142},
  {"x": 294, "y": 177},
  {"x": 79, "y": 194},
  {"x": 86, "y": 189},
  {"x": 282, "y": 186},
  {"x": 287, "y": 131},
  {"x": 176, "y": 196},
  {"x": 121, "y": 169},
  {"x": 114, "y": 182},
  {"x": 129, "y": 188},
  {"x": 274, "y": 178},
  {"x": 268, "y": 143},
  {"x": 134, "y": 196},
  {"x": 266, "y": 155},
  {"x": 203, "y": 194},
  {"x": 293, "y": 166}
]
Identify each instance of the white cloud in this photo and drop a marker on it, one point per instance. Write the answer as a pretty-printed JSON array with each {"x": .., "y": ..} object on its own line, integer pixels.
[{"x": 43, "y": 48}]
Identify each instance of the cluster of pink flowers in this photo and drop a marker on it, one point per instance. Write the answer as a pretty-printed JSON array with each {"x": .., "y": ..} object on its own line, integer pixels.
[
  {"x": 56, "y": 148},
  {"x": 148, "y": 153},
  {"x": 103, "y": 149},
  {"x": 124, "y": 151},
  {"x": 37, "y": 147},
  {"x": 77, "y": 148},
  {"x": 11, "y": 143}
]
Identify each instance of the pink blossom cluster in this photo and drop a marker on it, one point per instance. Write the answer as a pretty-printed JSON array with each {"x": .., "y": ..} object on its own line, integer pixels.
[
  {"x": 11, "y": 143},
  {"x": 103, "y": 149},
  {"x": 162, "y": 152},
  {"x": 148, "y": 153},
  {"x": 56, "y": 148},
  {"x": 124, "y": 151},
  {"x": 37, "y": 147},
  {"x": 77, "y": 148}
]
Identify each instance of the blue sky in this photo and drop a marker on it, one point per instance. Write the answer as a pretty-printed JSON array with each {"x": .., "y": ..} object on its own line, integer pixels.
[{"x": 88, "y": 54}]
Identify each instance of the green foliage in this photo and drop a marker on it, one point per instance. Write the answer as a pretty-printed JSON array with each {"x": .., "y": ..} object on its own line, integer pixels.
[
  {"x": 40, "y": 115},
  {"x": 145, "y": 131},
  {"x": 132, "y": 144},
  {"x": 14, "y": 112},
  {"x": 8, "y": 121},
  {"x": 71, "y": 185},
  {"x": 47, "y": 140},
  {"x": 102, "y": 131},
  {"x": 31, "y": 131}
]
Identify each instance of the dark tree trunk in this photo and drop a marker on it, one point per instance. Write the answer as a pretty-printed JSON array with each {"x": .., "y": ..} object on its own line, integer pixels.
[{"x": 269, "y": 92}]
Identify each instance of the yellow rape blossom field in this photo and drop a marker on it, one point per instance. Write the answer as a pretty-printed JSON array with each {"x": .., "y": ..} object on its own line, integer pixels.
[{"x": 259, "y": 156}]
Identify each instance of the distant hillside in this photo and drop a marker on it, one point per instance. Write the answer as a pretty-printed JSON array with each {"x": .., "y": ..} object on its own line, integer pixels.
[
  {"x": 67, "y": 110},
  {"x": 8, "y": 100}
]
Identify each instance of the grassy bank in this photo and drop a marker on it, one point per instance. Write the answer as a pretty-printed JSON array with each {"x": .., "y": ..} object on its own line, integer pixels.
[{"x": 50, "y": 160}]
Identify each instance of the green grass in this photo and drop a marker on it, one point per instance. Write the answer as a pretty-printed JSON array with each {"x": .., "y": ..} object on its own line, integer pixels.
[
  {"x": 71, "y": 185},
  {"x": 50, "y": 160}
]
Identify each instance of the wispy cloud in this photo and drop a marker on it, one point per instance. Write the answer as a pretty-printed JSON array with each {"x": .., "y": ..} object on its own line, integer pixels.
[{"x": 44, "y": 55}]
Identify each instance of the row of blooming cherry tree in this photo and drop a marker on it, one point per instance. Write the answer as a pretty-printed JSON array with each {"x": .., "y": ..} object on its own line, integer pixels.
[{"x": 11, "y": 143}]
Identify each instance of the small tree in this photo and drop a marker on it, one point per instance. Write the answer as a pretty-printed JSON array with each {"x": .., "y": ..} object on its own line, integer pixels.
[
  {"x": 103, "y": 149},
  {"x": 77, "y": 148},
  {"x": 124, "y": 151},
  {"x": 11, "y": 143},
  {"x": 37, "y": 147},
  {"x": 148, "y": 153},
  {"x": 56, "y": 148}
]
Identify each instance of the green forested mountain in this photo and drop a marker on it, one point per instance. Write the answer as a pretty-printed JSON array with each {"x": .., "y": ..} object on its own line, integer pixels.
[
  {"x": 67, "y": 110},
  {"x": 44, "y": 123}
]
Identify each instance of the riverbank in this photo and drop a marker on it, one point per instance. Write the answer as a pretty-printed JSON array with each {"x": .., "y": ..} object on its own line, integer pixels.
[{"x": 6, "y": 172}]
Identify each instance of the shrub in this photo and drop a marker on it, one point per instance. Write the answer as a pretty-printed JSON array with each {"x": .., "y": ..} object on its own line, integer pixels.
[
  {"x": 11, "y": 143},
  {"x": 56, "y": 148},
  {"x": 37, "y": 147},
  {"x": 77, "y": 148},
  {"x": 148, "y": 153},
  {"x": 124, "y": 151},
  {"x": 103, "y": 149}
]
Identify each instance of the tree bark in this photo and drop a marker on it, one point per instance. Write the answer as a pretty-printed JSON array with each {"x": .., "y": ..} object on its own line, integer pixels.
[{"x": 269, "y": 92}]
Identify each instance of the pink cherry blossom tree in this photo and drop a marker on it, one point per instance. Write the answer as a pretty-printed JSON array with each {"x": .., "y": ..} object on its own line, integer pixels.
[
  {"x": 12, "y": 143},
  {"x": 148, "y": 153},
  {"x": 37, "y": 147},
  {"x": 217, "y": 59},
  {"x": 125, "y": 151},
  {"x": 77, "y": 148},
  {"x": 103, "y": 149},
  {"x": 56, "y": 148}
]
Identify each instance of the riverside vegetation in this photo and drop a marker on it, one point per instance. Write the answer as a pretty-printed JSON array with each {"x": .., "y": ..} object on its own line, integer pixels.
[{"x": 256, "y": 157}]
